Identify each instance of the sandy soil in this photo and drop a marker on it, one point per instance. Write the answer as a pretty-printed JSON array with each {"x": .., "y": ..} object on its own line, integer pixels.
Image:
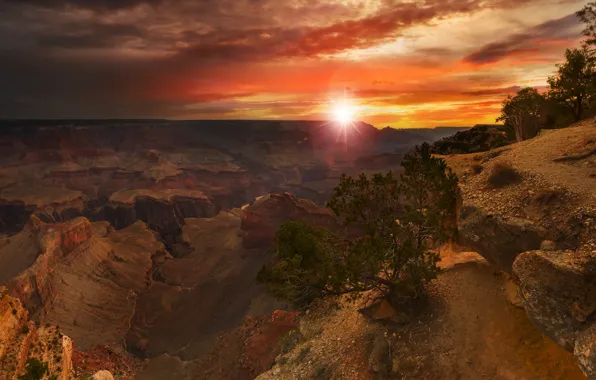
[{"x": 469, "y": 330}]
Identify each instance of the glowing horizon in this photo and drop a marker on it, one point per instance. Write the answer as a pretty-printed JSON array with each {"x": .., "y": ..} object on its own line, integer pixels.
[{"x": 405, "y": 65}]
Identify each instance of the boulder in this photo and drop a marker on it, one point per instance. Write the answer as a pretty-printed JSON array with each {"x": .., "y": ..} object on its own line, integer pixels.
[
  {"x": 585, "y": 351},
  {"x": 558, "y": 289},
  {"x": 548, "y": 245},
  {"x": 498, "y": 239},
  {"x": 103, "y": 375}
]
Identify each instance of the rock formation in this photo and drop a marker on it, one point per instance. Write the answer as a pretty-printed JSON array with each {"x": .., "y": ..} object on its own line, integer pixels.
[
  {"x": 84, "y": 281},
  {"x": 540, "y": 229},
  {"x": 21, "y": 339},
  {"x": 267, "y": 213}
]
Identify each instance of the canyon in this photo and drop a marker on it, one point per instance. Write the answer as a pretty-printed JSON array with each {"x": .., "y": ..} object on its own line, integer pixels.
[
  {"x": 141, "y": 240},
  {"x": 137, "y": 243}
]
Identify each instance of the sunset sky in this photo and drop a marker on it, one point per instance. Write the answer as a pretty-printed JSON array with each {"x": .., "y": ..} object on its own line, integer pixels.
[{"x": 403, "y": 64}]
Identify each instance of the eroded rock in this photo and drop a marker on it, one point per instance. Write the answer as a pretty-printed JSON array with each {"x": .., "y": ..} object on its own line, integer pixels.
[
  {"x": 84, "y": 282},
  {"x": 262, "y": 218},
  {"x": 499, "y": 240},
  {"x": 558, "y": 289},
  {"x": 585, "y": 351},
  {"x": 103, "y": 375}
]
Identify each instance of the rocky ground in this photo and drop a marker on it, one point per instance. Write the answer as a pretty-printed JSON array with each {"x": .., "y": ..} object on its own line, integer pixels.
[
  {"x": 468, "y": 330},
  {"x": 535, "y": 224}
]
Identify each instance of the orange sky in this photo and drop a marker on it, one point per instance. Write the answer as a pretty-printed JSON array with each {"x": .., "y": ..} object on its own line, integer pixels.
[{"x": 401, "y": 63}]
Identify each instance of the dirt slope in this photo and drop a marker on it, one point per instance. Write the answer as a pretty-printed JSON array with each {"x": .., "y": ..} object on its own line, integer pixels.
[{"x": 470, "y": 331}]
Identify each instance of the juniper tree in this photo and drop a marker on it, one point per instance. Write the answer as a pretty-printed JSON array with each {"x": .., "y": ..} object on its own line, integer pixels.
[{"x": 397, "y": 223}]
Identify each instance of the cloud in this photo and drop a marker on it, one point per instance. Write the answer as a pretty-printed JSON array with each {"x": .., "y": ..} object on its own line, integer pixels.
[
  {"x": 536, "y": 39},
  {"x": 89, "y": 35},
  {"x": 492, "y": 91},
  {"x": 91, "y": 4},
  {"x": 162, "y": 58}
]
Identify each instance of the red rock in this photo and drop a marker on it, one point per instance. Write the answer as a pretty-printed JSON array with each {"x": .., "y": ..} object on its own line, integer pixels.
[
  {"x": 262, "y": 342},
  {"x": 264, "y": 216}
]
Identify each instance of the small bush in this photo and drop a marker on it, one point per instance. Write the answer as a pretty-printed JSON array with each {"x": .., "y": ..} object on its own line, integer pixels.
[
  {"x": 34, "y": 370},
  {"x": 25, "y": 329},
  {"x": 283, "y": 360},
  {"x": 289, "y": 341},
  {"x": 322, "y": 372},
  {"x": 14, "y": 311},
  {"x": 477, "y": 168},
  {"x": 303, "y": 352},
  {"x": 503, "y": 175}
]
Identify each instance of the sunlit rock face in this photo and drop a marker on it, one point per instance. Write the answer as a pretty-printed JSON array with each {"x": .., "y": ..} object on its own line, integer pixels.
[
  {"x": 21, "y": 338},
  {"x": 558, "y": 290},
  {"x": 83, "y": 281}
]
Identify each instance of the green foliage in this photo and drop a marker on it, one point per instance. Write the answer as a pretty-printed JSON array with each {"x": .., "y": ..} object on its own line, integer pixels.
[
  {"x": 34, "y": 370},
  {"x": 321, "y": 372},
  {"x": 396, "y": 222},
  {"x": 588, "y": 16},
  {"x": 430, "y": 191},
  {"x": 288, "y": 341},
  {"x": 306, "y": 263},
  {"x": 303, "y": 352},
  {"x": 524, "y": 112},
  {"x": 574, "y": 84}
]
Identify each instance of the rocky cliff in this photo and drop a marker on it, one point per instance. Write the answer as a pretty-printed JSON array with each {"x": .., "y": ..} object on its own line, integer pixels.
[
  {"x": 529, "y": 208},
  {"x": 21, "y": 340},
  {"x": 84, "y": 277}
]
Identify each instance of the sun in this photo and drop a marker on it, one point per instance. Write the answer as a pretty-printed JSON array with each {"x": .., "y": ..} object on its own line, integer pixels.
[{"x": 344, "y": 114}]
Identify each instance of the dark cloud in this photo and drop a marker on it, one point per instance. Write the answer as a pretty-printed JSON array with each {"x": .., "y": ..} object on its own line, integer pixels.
[
  {"x": 89, "y": 35},
  {"x": 89, "y": 4},
  {"x": 76, "y": 58},
  {"x": 564, "y": 28}
]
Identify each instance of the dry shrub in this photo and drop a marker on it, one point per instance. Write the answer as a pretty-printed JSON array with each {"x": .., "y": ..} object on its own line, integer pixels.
[{"x": 502, "y": 175}]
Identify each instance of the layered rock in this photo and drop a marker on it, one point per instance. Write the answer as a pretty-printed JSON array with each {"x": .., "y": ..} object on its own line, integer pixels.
[
  {"x": 86, "y": 278},
  {"x": 267, "y": 213},
  {"x": 209, "y": 291},
  {"x": 500, "y": 240},
  {"x": 18, "y": 202},
  {"x": 21, "y": 339},
  {"x": 163, "y": 210},
  {"x": 558, "y": 290}
]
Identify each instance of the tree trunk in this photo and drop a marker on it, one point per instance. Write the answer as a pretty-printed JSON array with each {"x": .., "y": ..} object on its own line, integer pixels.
[{"x": 578, "y": 109}]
